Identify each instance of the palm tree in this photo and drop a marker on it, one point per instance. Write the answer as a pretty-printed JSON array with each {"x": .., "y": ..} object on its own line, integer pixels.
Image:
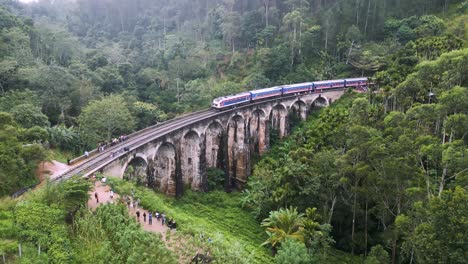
[{"x": 283, "y": 224}]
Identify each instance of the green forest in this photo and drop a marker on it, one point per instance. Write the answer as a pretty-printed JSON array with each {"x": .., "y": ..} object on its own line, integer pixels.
[{"x": 377, "y": 177}]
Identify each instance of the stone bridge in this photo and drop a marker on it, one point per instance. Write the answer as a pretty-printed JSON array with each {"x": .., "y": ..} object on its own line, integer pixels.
[{"x": 177, "y": 158}]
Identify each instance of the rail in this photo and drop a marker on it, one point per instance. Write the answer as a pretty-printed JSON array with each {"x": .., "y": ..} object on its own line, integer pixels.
[
  {"x": 133, "y": 139},
  {"x": 139, "y": 138}
]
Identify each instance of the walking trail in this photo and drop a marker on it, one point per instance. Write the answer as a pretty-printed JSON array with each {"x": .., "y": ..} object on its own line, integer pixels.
[{"x": 103, "y": 192}]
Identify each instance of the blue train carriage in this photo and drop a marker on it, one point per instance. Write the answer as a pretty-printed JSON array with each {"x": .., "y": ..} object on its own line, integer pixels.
[
  {"x": 231, "y": 100},
  {"x": 329, "y": 84},
  {"x": 356, "y": 82},
  {"x": 298, "y": 88},
  {"x": 266, "y": 93}
]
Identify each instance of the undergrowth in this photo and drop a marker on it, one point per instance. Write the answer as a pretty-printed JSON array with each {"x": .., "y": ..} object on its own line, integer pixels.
[{"x": 212, "y": 221}]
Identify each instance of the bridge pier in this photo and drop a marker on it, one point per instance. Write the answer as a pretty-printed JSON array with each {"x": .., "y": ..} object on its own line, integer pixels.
[{"x": 238, "y": 152}]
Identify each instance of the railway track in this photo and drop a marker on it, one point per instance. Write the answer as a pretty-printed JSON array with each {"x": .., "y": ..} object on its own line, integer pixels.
[
  {"x": 95, "y": 162},
  {"x": 139, "y": 138}
]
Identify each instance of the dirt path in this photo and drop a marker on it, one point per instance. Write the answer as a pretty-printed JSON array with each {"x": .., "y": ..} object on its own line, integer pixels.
[
  {"x": 50, "y": 169},
  {"x": 103, "y": 192}
]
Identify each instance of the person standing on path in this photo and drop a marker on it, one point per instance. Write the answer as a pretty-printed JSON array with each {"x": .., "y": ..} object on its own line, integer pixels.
[
  {"x": 163, "y": 219},
  {"x": 111, "y": 194},
  {"x": 96, "y": 196},
  {"x": 138, "y": 215},
  {"x": 144, "y": 217},
  {"x": 150, "y": 218}
]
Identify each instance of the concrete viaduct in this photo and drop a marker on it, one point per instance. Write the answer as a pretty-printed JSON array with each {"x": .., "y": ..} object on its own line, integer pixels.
[{"x": 174, "y": 155}]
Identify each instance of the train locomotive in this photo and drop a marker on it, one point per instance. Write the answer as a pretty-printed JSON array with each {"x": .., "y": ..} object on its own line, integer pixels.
[{"x": 287, "y": 90}]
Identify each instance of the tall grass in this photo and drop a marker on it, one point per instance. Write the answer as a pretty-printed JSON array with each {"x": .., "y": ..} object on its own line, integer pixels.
[{"x": 213, "y": 222}]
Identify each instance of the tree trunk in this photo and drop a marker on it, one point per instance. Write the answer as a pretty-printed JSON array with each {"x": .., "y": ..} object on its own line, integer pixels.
[
  {"x": 121, "y": 20},
  {"x": 444, "y": 172},
  {"x": 426, "y": 175},
  {"x": 330, "y": 214},
  {"x": 445, "y": 6},
  {"x": 365, "y": 230},
  {"x": 326, "y": 38},
  {"x": 394, "y": 248},
  {"x": 357, "y": 12},
  {"x": 349, "y": 52},
  {"x": 292, "y": 46},
  {"x": 367, "y": 16},
  {"x": 267, "y": 8},
  {"x": 354, "y": 221}
]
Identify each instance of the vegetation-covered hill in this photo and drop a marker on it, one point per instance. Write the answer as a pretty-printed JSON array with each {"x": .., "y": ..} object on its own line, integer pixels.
[
  {"x": 386, "y": 171},
  {"x": 60, "y": 59}
]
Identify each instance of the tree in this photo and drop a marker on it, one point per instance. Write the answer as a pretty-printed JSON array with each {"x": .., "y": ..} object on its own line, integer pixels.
[
  {"x": 147, "y": 114},
  {"x": 293, "y": 252},
  {"x": 283, "y": 224},
  {"x": 317, "y": 236},
  {"x": 434, "y": 232},
  {"x": 28, "y": 116},
  {"x": 106, "y": 118},
  {"x": 63, "y": 137},
  {"x": 377, "y": 255},
  {"x": 19, "y": 161}
]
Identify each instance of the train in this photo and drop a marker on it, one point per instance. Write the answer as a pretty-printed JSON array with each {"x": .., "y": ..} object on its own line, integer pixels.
[{"x": 231, "y": 101}]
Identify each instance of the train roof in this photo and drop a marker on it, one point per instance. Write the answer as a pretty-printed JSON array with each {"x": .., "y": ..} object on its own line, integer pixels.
[
  {"x": 216, "y": 100},
  {"x": 356, "y": 79},
  {"x": 329, "y": 81},
  {"x": 298, "y": 84},
  {"x": 266, "y": 89}
]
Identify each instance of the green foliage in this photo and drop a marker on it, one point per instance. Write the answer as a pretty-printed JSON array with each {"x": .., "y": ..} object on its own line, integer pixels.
[
  {"x": 42, "y": 225},
  {"x": 216, "y": 215},
  {"x": 284, "y": 224},
  {"x": 147, "y": 114},
  {"x": 293, "y": 252},
  {"x": 112, "y": 236},
  {"x": 377, "y": 255},
  {"x": 19, "y": 161},
  {"x": 35, "y": 134},
  {"x": 107, "y": 118},
  {"x": 215, "y": 178},
  {"x": 434, "y": 231},
  {"x": 365, "y": 164},
  {"x": 63, "y": 137},
  {"x": 29, "y": 116}
]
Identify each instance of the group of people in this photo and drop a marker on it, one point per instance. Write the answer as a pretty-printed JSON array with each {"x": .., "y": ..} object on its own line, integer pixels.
[
  {"x": 103, "y": 145},
  {"x": 159, "y": 217}
]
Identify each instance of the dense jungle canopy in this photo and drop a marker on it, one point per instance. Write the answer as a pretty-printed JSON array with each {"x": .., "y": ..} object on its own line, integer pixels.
[{"x": 379, "y": 177}]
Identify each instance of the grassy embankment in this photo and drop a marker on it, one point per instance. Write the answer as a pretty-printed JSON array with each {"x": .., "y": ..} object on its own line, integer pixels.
[{"x": 217, "y": 216}]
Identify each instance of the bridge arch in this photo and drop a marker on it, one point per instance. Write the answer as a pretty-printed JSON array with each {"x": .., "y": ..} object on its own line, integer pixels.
[
  {"x": 139, "y": 162},
  {"x": 299, "y": 109},
  {"x": 213, "y": 144},
  {"x": 165, "y": 162},
  {"x": 190, "y": 152},
  {"x": 279, "y": 120},
  {"x": 319, "y": 102}
]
